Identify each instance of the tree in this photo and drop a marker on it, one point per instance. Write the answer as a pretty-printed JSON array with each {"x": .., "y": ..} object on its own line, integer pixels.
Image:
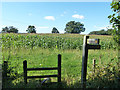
[
  {"x": 110, "y": 31},
  {"x": 31, "y": 29},
  {"x": 10, "y": 29},
  {"x": 115, "y": 20},
  {"x": 102, "y": 32},
  {"x": 94, "y": 32},
  {"x": 74, "y": 27},
  {"x": 54, "y": 30},
  {"x": 5, "y": 29}
]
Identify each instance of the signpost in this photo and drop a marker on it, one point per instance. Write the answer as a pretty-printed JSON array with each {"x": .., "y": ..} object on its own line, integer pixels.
[
  {"x": 87, "y": 44},
  {"x": 93, "y": 41}
]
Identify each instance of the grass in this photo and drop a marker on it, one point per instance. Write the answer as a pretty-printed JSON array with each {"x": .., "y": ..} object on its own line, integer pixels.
[
  {"x": 19, "y": 47},
  {"x": 71, "y": 65}
]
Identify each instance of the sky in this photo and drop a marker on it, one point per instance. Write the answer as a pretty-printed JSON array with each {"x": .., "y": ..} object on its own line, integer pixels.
[{"x": 46, "y": 15}]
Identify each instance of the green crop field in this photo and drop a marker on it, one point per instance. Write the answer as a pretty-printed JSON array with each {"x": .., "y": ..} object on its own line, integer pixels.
[{"x": 41, "y": 50}]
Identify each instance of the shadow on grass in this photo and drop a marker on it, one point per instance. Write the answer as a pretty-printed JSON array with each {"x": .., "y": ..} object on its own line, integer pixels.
[
  {"x": 34, "y": 84},
  {"x": 104, "y": 77},
  {"x": 96, "y": 83}
]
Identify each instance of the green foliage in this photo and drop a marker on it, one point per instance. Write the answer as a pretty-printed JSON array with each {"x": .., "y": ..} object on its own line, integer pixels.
[
  {"x": 31, "y": 29},
  {"x": 102, "y": 32},
  {"x": 74, "y": 27},
  {"x": 115, "y": 20},
  {"x": 110, "y": 31},
  {"x": 105, "y": 75},
  {"x": 10, "y": 29},
  {"x": 54, "y": 30}
]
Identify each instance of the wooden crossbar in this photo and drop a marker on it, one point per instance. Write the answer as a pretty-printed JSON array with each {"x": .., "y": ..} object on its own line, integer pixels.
[
  {"x": 44, "y": 76},
  {"x": 51, "y": 68}
]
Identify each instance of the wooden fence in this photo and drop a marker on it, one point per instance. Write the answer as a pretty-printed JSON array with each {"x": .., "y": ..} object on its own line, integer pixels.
[{"x": 44, "y": 76}]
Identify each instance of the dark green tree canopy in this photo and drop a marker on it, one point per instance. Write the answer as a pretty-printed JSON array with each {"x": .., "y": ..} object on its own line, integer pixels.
[
  {"x": 54, "y": 30},
  {"x": 31, "y": 29},
  {"x": 103, "y": 32},
  {"x": 10, "y": 29},
  {"x": 74, "y": 27}
]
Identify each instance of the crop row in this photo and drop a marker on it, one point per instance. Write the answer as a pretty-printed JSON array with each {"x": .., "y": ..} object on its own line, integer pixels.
[{"x": 49, "y": 41}]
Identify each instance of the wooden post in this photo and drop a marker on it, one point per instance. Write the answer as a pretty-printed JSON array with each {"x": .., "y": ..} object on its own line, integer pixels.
[
  {"x": 59, "y": 68},
  {"x": 86, "y": 46},
  {"x": 25, "y": 71},
  {"x": 94, "y": 64},
  {"x": 84, "y": 62},
  {"x": 100, "y": 59},
  {"x": 119, "y": 41},
  {"x": 5, "y": 70},
  {"x": 119, "y": 45}
]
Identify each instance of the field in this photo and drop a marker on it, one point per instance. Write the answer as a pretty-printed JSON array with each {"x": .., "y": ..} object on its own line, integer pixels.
[{"x": 41, "y": 50}]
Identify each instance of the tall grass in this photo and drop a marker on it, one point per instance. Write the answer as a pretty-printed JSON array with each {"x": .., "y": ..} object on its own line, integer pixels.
[{"x": 58, "y": 41}]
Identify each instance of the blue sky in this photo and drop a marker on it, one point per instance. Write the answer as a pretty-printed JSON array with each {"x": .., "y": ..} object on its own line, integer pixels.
[{"x": 46, "y": 15}]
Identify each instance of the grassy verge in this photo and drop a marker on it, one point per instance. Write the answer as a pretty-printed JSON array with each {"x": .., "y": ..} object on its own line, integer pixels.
[{"x": 106, "y": 64}]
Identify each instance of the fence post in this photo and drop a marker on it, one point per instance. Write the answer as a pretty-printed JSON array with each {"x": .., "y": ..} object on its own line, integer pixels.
[
  {"x": 94, "y": 64},
  {"x": 25, "y": 71},
  {"x": 5, "y": 70},
  {"x": 59, "y": 67}
]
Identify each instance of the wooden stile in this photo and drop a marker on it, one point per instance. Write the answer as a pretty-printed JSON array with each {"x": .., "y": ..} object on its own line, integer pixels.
[{"x": 44, "y": 76}]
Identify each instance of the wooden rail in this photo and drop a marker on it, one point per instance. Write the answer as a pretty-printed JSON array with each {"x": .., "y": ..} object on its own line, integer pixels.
[
  {"x": 44, "y": 76},
  {"x": 52, "y": 68}
]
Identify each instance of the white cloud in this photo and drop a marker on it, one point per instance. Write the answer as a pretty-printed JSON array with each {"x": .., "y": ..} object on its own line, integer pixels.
[
  {"x": 49, "y": 18},
  {"x": 78, "y": 16}
]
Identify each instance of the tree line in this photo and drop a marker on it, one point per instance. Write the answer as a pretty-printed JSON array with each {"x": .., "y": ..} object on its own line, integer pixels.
[
  {"x": 103, "y": 32},
  {"x": 71, "y": 27}
]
